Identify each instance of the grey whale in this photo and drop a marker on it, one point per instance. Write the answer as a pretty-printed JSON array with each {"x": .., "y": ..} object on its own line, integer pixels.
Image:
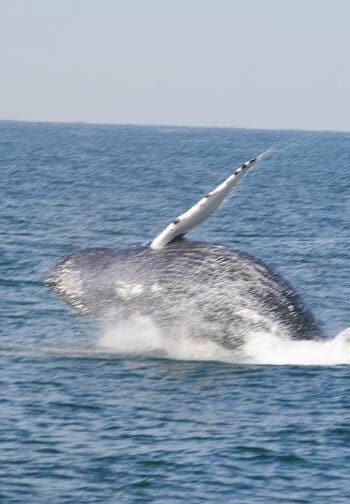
[{"x": 201, "y": 289}]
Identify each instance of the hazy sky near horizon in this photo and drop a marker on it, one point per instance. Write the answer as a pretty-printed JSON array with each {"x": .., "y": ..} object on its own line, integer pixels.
[{"x": 244, "y": 63}]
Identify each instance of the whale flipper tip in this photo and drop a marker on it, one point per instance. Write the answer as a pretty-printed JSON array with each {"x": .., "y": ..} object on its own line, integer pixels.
[{"x": 202, "y": 209}]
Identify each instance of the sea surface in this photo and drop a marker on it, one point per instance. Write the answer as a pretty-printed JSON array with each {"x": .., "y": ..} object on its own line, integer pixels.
[{"x": 90, "y": 414}]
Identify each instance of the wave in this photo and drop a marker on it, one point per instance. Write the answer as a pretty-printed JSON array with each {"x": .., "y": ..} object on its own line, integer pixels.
[{"x": 139, "y": 335}]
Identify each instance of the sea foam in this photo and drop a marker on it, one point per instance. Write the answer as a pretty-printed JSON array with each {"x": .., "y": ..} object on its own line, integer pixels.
[{"x": 139, "y": 335}]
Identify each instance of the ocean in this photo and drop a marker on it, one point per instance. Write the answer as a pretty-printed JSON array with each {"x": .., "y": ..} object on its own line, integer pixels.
[{"x": 91, "y": 412}]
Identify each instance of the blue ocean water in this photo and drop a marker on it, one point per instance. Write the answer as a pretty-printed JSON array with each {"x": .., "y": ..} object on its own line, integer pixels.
[{"x": 87, "y": 414}]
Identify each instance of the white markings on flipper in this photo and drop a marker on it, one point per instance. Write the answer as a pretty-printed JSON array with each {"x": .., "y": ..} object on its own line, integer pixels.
[{"x": 202, "y": 209}]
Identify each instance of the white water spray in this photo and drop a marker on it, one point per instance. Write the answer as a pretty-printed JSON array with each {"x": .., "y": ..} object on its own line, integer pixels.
[{"x": 139, "y": 335}]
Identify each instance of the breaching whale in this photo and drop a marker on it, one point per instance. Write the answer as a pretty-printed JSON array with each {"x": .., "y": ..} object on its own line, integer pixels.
[{"x": 200, "y": 289}]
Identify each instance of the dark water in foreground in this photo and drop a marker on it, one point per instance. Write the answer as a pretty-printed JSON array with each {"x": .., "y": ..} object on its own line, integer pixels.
[{"x": 84, "y": 420}]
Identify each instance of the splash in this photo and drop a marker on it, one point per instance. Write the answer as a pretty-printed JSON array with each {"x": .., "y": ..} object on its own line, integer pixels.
[
  {"x": 271, "y": 349},
  {"x": 266, "y": 152},
  {"x": 139, "y": 335}
]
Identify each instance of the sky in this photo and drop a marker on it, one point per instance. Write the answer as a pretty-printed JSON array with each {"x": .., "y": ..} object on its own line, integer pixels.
[{"x": 240, "y": 63}]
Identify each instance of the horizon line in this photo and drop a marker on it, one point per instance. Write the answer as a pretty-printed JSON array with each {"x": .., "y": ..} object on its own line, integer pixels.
[{"x": 157, "y": 125}]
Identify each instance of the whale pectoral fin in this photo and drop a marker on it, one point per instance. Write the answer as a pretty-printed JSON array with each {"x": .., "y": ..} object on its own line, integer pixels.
[{"x": 202, "y": 209}]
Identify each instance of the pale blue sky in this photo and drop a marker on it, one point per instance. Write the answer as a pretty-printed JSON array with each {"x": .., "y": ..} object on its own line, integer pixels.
[{"x": 245, "y": 63}]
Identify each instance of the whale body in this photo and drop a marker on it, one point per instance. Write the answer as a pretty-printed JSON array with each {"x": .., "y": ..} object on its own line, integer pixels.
[
  {"x": 206, "y": 290},
  {"x": 200, "y": 289}
]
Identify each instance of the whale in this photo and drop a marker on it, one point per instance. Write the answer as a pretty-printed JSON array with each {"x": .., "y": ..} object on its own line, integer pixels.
[{"x": 191, "y": 288}]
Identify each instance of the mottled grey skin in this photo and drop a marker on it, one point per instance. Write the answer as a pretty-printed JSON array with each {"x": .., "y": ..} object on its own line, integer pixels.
[{"x": 199, "y": 289}]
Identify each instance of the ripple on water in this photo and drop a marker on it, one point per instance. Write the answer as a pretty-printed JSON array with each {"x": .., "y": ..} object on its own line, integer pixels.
[{"x": 82, "y": 423}]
